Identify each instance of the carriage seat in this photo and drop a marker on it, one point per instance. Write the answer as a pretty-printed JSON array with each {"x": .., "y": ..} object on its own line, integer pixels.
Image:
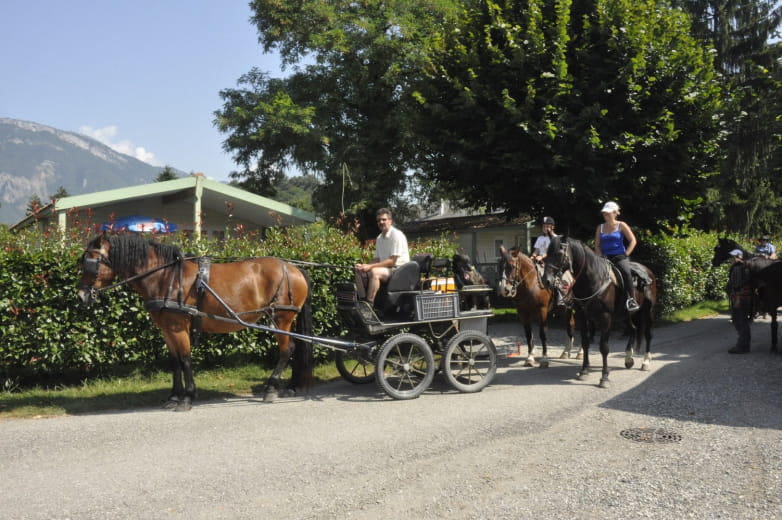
[{"x": 404, "y": 279}]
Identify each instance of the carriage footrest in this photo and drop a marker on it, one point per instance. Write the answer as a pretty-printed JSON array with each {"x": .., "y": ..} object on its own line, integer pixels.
[{"x": 367, "y": 313}]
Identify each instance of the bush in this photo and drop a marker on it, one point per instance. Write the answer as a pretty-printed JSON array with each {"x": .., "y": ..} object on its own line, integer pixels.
[
  {"x": 47, "y": 336},
  {"x": 682, "y": 265}
]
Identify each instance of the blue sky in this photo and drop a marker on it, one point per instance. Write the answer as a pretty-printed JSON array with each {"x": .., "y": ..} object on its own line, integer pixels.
[{"x": 143, "y": 76}]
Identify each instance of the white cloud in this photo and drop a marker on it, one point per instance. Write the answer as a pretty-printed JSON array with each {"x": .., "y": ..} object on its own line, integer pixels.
[{"x": 108, "y": 135}]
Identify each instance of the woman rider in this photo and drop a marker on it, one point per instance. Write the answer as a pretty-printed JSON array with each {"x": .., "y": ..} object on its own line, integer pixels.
[{"x": 610, "y": 242}]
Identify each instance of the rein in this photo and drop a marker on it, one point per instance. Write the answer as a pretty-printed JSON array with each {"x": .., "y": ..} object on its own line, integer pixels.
[
  {"x": 599, "y": 291},
  {"x": 516, "y": 281},
  {"x": 139, "y": 276}
]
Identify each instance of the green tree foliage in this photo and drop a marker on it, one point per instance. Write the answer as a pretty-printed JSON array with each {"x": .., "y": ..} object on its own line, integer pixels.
[
  {"x": 297, "y": 191},
  {"x": 529, "y": 106},
  {"x": 46, "y": 335},
  {"x": 747, "y": 195},
  {"x": 344, "y": 112},
  {"x": 166, "y": 174},
  {"x": 554, "y": 106}
]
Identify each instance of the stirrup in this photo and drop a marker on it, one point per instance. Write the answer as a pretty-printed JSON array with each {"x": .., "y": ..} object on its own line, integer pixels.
[{"x": 632, "y": 305}]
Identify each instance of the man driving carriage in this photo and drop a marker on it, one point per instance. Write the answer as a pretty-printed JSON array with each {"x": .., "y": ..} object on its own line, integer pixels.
[{"x": 390, "y": 252}]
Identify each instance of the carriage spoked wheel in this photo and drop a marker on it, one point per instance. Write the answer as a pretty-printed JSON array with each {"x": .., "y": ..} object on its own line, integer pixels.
[
  {"x": 356, "y": 366},
  {"x": 405, "y": 366},
  {"x": 470, "y": 361}
]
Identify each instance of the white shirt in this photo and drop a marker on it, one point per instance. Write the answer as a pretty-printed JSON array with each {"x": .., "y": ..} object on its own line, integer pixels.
[
  {"x": 393, "y": 243},
  {"x": 541, "y": 244}
]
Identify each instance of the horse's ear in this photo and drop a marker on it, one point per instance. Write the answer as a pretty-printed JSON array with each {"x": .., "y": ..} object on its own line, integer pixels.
[{"x": 503, "y": 251}]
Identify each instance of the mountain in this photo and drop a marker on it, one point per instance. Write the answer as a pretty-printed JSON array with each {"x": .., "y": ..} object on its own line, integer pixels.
[{"x": 36, "y": 160}]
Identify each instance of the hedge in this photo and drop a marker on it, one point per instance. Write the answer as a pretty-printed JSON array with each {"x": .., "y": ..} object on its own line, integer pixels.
[{"x": 46, "y": 336}]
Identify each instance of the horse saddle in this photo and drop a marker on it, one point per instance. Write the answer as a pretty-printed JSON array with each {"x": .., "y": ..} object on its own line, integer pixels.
[{"x": 640, "y": 274}]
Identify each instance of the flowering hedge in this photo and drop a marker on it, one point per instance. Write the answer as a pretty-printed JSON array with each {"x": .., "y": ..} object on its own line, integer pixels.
[
  {"x": 46, "y": 334},
  {"x": 683, "y": 268}
]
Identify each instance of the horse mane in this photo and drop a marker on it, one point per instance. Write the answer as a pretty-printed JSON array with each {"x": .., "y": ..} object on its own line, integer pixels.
[{"x": 128, "y": 252}]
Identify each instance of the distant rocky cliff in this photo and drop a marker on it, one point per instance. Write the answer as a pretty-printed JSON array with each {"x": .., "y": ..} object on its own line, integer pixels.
[{"x": 36, "y": 160}]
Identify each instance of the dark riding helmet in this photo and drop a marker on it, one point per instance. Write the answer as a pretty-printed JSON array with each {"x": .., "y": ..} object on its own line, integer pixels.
[
  {"x": 548, "y": 220},
  {"x": 764, "y": 238}
]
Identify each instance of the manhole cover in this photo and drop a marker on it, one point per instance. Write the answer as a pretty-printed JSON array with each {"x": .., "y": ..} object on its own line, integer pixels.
[{"x": 650, "y": 435}]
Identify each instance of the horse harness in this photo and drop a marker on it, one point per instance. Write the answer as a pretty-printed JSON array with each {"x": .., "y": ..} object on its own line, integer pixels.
[
  {"x": 517, "y": 280},
  {"x": 201, "y": 284},
  {"x": 612, "y": 274}
]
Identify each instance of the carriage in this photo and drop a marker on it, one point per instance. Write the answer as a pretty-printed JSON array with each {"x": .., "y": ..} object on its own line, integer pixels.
[{"x": 416, "y": 328}]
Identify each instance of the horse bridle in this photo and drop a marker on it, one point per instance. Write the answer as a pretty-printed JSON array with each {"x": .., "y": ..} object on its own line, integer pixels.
[
  {"x": 565, "y": 262},
  {"x": 91, "y": 266},
  {"x": 515, "y": 282}
]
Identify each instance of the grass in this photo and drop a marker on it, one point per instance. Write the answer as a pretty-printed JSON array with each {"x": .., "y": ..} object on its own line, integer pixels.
[{"x": 140, "y": 390}]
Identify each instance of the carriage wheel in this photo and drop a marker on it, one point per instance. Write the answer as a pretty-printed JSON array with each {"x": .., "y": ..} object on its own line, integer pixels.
[
  {"x": 356, "y": 366},
  {"x": 405, "y": 366},
  {"x": 470, "y": 361}
]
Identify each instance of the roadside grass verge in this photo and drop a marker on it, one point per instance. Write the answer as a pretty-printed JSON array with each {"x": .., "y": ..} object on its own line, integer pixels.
[{"x": 145, "y": 390}]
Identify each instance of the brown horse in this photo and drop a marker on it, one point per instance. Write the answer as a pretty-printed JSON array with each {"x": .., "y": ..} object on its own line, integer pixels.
[
  {"x": 187, "y": 295},
  {"x": 597, "y": 296},
  {"x": 519, "y": 280}
]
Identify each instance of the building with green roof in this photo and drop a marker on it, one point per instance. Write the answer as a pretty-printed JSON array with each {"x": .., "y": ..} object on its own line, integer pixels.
[{"x": 195, "y": 204}]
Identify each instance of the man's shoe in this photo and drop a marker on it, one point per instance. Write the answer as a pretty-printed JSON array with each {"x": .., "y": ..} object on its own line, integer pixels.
[
  {"x": 632, "y": 305},
  {"x": 738, "y": 350}
]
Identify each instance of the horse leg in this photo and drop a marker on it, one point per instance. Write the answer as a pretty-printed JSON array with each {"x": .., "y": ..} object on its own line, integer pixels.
[
  {"x": 530, "y": 361},
  {"x": 543, "y": 330},
  {"x": 183, "y": 392},
  {"x": 177, "y": 389},
  {"x": 774, "y": 349},
  {"x": 274, "y": 384},
  {"x": 569, "y": 328},
  {"x": 585, "y": 337},
  {"x": 604, "y": 352},
  {"x": 633, "y": 338}
]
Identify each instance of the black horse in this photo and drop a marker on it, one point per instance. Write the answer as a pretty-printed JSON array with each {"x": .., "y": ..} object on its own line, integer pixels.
[
  {"x": 465, "y": 276},
  {"x": 766, "y": 279},
  {"x": 597, "y": 297}
]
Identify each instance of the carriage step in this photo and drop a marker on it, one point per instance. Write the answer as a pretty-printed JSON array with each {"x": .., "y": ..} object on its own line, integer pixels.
[{"x": 368, "y": 313}]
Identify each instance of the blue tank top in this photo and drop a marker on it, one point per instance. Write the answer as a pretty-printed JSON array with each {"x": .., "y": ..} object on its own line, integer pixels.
[{"x": 612, "y": 243}]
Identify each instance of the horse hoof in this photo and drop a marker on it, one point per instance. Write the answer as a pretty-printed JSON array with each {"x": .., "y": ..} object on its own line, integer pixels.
[
  {"x": 603, "y": 383},
  {"x": 581, "y": 376},
  {"x": 288, "y": 392},
  {"x": 543, "y": 363},
  {"x": 184, "y": 406},
  {"x": 579, "y": 356},
  {"x": 171, "y": 404},
  {"x": 645, "y": 367},
  {"x": 528, "y": 363},
  {"x": 269, "y": 397},
  {"x": 564, "y": 355},
  {"x": 629, "y": 362}
]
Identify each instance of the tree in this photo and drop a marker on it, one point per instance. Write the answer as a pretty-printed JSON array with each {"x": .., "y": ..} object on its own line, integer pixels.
[
  {"x": 166, "y": 174},
  {"x": 61, "y": 193},
  {"x": 557, "y": 106},
  {"x": 747, "y": 195},
  {"x": 526, "y": 106},
  {"x": 34, "y": 205},
  {"x": 344, "y": 114}
]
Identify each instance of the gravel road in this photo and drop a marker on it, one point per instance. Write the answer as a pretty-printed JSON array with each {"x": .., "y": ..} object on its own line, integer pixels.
[{"x": 535, "y": 444}]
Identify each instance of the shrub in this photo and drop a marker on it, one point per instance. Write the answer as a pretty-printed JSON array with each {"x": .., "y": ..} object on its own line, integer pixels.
[{"x": 45, "y": 335}]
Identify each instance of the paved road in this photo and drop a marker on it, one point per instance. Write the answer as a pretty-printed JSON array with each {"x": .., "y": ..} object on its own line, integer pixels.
[{"x": 535, "y": 444}]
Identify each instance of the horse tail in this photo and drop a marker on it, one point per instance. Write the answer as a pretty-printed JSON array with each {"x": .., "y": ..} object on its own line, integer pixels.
[{"x": 303, "y": 358}]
